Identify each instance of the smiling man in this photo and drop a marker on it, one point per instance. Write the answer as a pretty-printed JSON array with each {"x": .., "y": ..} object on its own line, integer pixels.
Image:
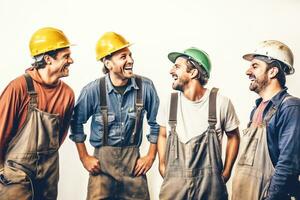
[
  {"x": 117, "y": 104},
  {"x": 269, "y": 164},
  {"x": 35, "y": 113},
  {"x": 195, "y": 119}
]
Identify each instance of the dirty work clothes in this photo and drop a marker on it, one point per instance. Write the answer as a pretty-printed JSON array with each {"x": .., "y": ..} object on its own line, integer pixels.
[
  {"x": 121, "y": 114},
  {"x": 116, "y": 179},
  {"x": 14, "y": 101},
  {"x": 31, "y": 162},
  {"x": 188, "y": 126},
  {"x": 283, "y": 139},
  {"x": 254, "y": 171},
  {"x": 254, "y": 168},
  {"x": 194, "y": 169}
]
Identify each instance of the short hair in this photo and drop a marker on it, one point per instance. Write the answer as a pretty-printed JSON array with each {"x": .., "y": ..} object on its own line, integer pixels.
[
  {"x": 280, "y": 76},
  {"x": 202, "y": 74},
  {"x": 105, "y": 70},
  {"x": 39, "y": 61}
]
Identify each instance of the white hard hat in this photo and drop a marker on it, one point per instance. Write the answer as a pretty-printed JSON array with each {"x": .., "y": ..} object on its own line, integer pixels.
[{"x": 274, "y": 50}]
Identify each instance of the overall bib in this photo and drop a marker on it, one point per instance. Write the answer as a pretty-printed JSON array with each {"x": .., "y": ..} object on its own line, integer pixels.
[
  {"x": 254, "y": 169},
  {"x": 31, "y": 168},
  {"x": 116, "y": 179},
  {"x": 193, "y": 169}
]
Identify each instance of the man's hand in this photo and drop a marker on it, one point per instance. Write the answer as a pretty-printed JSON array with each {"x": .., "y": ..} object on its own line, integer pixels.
[
  {"x": 142, "y": 165},
  {"x": 91, "y": 164},
  {"x": 225, "y": 176}
]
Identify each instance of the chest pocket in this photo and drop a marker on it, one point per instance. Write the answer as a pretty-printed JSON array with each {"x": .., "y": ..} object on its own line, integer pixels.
[{"x": 110, "y": 119}]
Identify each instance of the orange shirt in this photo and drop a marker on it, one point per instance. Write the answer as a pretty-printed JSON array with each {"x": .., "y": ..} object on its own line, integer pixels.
[{"x": 57, "y": 99}]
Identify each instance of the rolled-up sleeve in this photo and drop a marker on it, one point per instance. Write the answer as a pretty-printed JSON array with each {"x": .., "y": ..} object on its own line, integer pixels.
[
  {"x": 151, "y": 106},
  {"x": 82, "y": 111},
  {"x": 288, "y": 164}
]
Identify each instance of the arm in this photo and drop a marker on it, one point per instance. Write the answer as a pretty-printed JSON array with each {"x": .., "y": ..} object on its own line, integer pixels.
[
  {"x": 288, "y": 164},
  {"x": 161, "y": 147},
  {"x": 143, "y": 164},
  {"x": 9, "y": 107},
  {"x": 232, "y": 149},
  {"x": 90, "y": 163},
  {"x": 84, "y": 108}
]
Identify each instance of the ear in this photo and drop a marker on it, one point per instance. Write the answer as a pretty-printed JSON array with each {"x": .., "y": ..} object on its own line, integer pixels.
[
  {"x": 48, "y": 59},
  {"x": 273, "y": 72},
  {"x": 107, "y": 64},
  {"x": 194, "y": 74}
]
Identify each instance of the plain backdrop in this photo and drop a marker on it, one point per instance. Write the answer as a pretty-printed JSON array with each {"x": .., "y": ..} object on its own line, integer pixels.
[{"x": 224, "y": 29}]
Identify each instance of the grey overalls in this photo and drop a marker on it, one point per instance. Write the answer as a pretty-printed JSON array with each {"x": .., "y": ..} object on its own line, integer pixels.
[
  {"x": 116, "y": 179},
  {"x": 31, "y": 161},
  {"x": 254, "y": 169},
  {"x": 193, "y": 169}
]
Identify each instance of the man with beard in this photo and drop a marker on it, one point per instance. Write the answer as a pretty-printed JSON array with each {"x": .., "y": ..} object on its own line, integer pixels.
[
  {"x": 195, "y": 118},
  {"x": 269, "y": 161},
  {"x": 117, "y": 103},
  {"x": 36, "y": 109}
]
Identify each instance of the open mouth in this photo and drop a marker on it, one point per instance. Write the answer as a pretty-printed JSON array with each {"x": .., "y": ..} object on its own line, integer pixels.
[{"x": 252, "y": 78}]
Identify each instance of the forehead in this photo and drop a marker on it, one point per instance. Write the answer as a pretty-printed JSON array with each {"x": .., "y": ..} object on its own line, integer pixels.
[
  {"x": 180, "y": 60},
  {"x": 122, "y": 51},
  {"x": 64, "y": 51},
  {"x": 258, "y": 62}
]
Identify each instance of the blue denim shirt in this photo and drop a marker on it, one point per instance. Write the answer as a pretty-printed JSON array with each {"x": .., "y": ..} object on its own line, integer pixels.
[
  {"x": 121, "y": 113},
  {"x": 283, "y": 137}
]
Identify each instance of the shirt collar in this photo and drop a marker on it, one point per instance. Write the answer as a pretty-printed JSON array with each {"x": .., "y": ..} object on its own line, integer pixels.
[
  {"x": 111, "y": 88},
  {"x": 277, "y": 99}
]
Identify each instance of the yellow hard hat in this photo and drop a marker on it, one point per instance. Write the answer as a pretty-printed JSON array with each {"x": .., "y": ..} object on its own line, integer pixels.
[
  {"x": 47, "y": 39},
  {"x": 108, "y": 43}
]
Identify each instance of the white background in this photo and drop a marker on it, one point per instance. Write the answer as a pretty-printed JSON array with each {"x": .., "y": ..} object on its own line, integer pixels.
[{"x": 224, "y": 29}]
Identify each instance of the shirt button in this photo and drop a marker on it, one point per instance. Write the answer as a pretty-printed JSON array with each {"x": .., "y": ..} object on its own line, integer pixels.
[
  {"x": 122, "y": 108},
  {"x": 122, "y": 123}
]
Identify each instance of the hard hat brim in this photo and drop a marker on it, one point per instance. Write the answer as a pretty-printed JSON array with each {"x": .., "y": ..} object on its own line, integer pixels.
[
  {"x": 174, "y": 55},
  {"x": 122, "y": 47},
  {"x": 251, "y": 56}
]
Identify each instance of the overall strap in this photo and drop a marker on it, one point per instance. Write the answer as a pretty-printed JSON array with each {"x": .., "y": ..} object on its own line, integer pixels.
[
  {"x": 138, "y": 107},
  {"x": 273, "y": 109},
  {"x": 173, "y": 111},
  {"x": 104, "y": 110},
  {"x": 31, "y": 91},
  {"x": 212, "y": 113}
]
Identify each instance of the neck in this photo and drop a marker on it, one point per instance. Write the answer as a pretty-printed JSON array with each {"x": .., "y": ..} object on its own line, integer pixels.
[
  {"x": 194, "y": 91},
  {"x": 47, "y": 77},
  {"x": 270, "y": 91},
  {"x": 117, "y": 81}
]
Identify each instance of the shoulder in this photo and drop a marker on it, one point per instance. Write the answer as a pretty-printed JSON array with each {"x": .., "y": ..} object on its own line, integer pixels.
[
  {"x": 17, "y": 85},
  {"x": 92, "y": 86},
  {"x": 222, "y": 99},
  {"x": 146, "y": 81},
  {"x": 290, "y": 103}
]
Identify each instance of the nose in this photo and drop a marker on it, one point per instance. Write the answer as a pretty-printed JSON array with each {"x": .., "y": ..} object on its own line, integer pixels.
[
  {"x": 71, "y": 61},
  {"x": 248, "y": 71},
  {"x": 130, "y": 60}
]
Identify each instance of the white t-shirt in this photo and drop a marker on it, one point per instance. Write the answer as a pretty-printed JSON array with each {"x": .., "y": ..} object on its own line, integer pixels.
[{"x": 192, "y": 116}]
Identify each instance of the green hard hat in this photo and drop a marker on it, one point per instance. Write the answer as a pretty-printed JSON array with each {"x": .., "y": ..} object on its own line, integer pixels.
[{"x": 200, "y": 56}]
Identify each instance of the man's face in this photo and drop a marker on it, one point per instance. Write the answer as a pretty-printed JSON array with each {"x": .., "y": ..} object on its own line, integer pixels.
[
  {"x": 60, "y": 65},
  {"x": 121, "y": 64},
  {"x": 180, "y": 75},
  {"x": 258, "y": 76}
]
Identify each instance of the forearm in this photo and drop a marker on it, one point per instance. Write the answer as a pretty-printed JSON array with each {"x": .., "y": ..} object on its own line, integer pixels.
[
  {"x": 161, "y": 146},
  {"x": 232, "y": 149},
  {"x": 152, "y": 151},
  {"x": 82, "y": 152}
]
